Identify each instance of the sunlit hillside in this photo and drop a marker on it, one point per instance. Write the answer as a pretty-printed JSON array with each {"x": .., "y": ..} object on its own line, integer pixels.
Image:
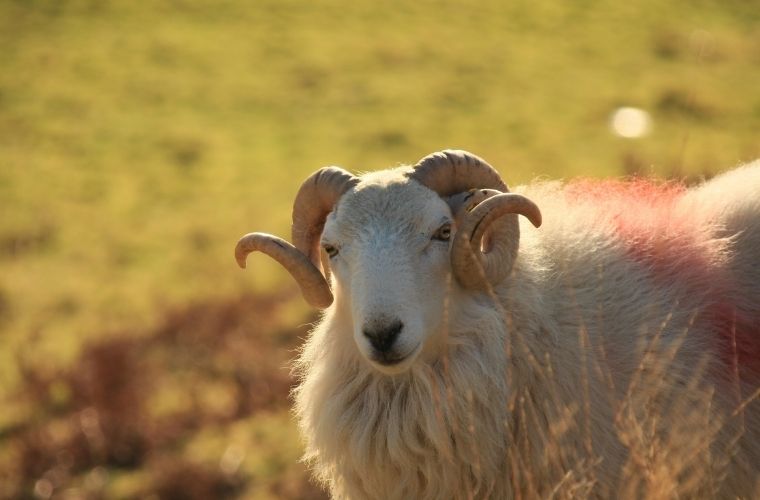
[{"x": 139, "y": 140}]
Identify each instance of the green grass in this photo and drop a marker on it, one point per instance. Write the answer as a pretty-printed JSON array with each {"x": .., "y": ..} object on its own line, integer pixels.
[{"x": 139, "y": 140}]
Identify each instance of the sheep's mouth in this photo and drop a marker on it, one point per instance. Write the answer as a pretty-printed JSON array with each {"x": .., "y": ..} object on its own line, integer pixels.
[
  {"x": 393, "y": 358},
  {"x": 389, "y": 359}
]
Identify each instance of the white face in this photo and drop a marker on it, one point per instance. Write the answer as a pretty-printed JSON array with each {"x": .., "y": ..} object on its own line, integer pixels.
[{"x": 388, "y": 242}]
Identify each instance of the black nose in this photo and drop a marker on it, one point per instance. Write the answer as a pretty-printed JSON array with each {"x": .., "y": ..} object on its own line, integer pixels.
[{"x": 383, "y": 335}]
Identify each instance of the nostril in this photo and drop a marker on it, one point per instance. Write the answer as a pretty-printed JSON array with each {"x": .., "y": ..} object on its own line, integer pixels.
[{"x": 382, "y": 337}]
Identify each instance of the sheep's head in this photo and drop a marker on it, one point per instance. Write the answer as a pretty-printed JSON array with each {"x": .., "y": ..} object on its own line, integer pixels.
[{"x": 392, "y": 240}]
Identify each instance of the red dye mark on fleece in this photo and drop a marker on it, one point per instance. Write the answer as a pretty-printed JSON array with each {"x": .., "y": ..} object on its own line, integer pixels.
[{"x": 643, "y": 215}]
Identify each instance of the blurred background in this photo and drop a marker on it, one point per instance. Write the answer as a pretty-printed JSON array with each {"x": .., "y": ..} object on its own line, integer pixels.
[{"x": 139, "y": 140}]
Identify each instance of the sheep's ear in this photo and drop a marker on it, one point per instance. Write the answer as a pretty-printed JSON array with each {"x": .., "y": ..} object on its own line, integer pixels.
[
  {"x": 325, "y": 261},
  {"x": 462, "y": 203}
]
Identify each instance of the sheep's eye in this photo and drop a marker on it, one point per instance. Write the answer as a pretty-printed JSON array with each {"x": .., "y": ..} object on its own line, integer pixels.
[
  {"x": 443, "y": 233},
  {"x": 331, "y": 250}
]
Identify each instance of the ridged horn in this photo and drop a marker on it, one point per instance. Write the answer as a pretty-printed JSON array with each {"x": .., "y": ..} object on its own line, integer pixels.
[
  {"x": 451, "y": 172},
  {"x": 313, "y": 285},
  {"x": 472, "y": 266},
  {"x": 315, "y": 199}
]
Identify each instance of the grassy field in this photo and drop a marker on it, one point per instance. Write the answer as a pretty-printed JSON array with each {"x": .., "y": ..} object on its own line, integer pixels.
[{"x": 139, "y": 140}]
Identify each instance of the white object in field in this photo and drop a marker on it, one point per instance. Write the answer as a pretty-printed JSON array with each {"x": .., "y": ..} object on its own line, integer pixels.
[{"x": 630, "y": 122}]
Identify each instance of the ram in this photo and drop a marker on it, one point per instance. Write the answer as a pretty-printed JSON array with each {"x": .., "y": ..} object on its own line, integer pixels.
[{"x": 464, "y": 353}]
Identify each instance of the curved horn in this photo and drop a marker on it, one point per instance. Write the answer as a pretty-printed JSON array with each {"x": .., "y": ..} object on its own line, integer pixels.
[
  {"x": 452, "y": 171},
  {"x": 315, "y": 199},
  {"x": 313, "y": 285},
  {"x": 469, "y": 263}
]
